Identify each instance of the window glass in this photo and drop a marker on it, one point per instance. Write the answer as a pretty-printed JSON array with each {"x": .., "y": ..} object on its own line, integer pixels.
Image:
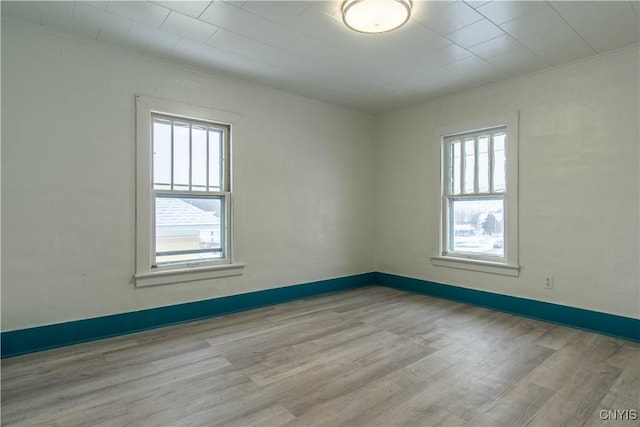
[
  {"x": 215, "y": 159},
  {"x": 474, "y": 197},
  {"x": 477, "y": 226},
  {"x": 188, "y": 229},
  {"x": 483, "y": 164},
  {"x": 162, "y": 154},
  {"x": 198, "y": 158},
  {"x": 188, "y": 163},
  {"x": 499, "y": 161},
  {"x": 181, "y": 160},
  {"x": 469, "y": 165},
  {"x": 456, "y": 161}
]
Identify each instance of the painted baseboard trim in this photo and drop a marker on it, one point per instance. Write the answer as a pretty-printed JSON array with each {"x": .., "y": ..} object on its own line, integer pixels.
[
  {"x": 23, "y": 341},
  {"x": 603, "y": 323}
]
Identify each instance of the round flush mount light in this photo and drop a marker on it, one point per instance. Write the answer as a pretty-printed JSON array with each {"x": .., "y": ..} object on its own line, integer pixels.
[{"x": 375, "y": 16}]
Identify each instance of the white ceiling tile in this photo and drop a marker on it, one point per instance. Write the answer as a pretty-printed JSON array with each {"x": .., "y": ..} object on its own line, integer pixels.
[
  {"x": 417, "y": 41},
  {"x": 245, "y": 23},
  {"x": 451, "y": 18},
  {"x": 286, "y": 39},
  {"x": 144, "y": 35},
  {"x": 87, "y": 15},
  {"x": 225, "y": 15},
  {"x": 277, "y": 11},
  {"x": 558, "y": 45},
  {"x": 187, "y": 50},
  {"x": 237, "y": 3},
  {"x": 238, "y": 66},
  {"x": 94, "y": 3},
  {"x": 565, "y": 5},
  {"x": 330, "y": 7},
  {"x": 422, "y": 9},
  {"x": 375, "y": 88},
  {"x": 443, "y": 84},
  {"x": 304, "y": 47},
  {"x": 474, "y": 72},
  {"x": 257, "y": 28},
  {"x": 141, "y": 11},
  {"x": 476, "y": 33},
  {"x": 426, "y": 72},
  {"x": 594, "y": 13},
  {"x": 324, "y": 27},
  {"x": 90, "y": 19},
  {"x": 474, "y": 68},
  {"x": 626, "y": 31},
  {"x": 535, "y": 22},
  {"x": 517, "y": 62},
  {"x": 500, "y": 12},
  {"x": 494, "y": 47},
  {"x": 189, "y": 8},
  {"x": 446, "y": 55},
  {"x": 477, "y": 3},
  {"x": 605, "y": 26},
  {"x": 387, "y": 77},
  {"x": 337, "y": 66},
  {"x": 244, "y": 46},
  {"x": 186, "y": 26}
]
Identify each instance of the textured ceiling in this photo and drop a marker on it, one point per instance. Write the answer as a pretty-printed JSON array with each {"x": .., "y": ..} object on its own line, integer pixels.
[{"x": 303, "y": 46}]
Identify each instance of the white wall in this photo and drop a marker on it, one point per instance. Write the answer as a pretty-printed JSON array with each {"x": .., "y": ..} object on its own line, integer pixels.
[
  {"x": 579, "y": 184},
  {"x": 304, "y": 201},
  {"x": 303, "y": 181}
]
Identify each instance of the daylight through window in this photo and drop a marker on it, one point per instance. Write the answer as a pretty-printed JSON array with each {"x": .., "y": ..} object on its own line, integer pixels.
[
  {"x": 190, "y": 190},
  {"x": 474, "y": 194}
]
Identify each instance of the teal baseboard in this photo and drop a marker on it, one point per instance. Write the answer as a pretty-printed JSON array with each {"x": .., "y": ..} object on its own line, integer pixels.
[
  {"x": 608, "y": 324},
  {"x": 23, "y": 341}
]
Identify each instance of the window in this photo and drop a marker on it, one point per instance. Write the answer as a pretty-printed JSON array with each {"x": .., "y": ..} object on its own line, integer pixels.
[
  {"x": 183, "y": 193},
  {"x": 479, "y": 198}
]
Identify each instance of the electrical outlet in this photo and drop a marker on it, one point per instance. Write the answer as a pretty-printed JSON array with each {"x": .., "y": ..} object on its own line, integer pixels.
[{"x": 548, "y": 282}]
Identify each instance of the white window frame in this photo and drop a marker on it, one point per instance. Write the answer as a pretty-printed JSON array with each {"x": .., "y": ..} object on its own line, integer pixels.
[
  {"x": 148, "y": 274},
  {"x": 508, "y": 264}
]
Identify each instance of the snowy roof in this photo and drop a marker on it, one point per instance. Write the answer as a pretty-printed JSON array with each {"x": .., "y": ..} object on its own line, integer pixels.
[{"x": 176, "y": 212}]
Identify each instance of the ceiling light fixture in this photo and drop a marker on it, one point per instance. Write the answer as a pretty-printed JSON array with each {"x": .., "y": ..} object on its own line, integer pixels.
[{"x": 375, "y": 16}]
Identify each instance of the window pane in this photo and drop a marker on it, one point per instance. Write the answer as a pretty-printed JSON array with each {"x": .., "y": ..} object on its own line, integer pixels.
[
  {"x": 161, "y": 154},
  {"x": 483, "y": 164},
  {"x": 499, "y": 163},
  {"x": 455, "y": 167},
  {"x": 199, "y": 158},
  {"x": 476, "y": 226},
  {"x": 470, "y": 165},
  {"x": 215, "y": 159},
  {"x": 180, "y": 156},
  {"x": 188, "y": 229}
]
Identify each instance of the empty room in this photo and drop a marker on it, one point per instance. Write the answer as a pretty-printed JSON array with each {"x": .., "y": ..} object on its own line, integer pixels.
[{"x": 337, "y": 213}]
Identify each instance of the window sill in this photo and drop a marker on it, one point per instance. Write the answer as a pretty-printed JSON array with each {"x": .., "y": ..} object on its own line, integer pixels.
[
  {"x": 476, "y": 265},
  {"x": 165, "y": 277}
]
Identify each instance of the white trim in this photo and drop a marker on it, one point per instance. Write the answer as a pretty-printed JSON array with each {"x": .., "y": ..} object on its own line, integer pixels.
[
  {"x": 188, "y": 274},
  {"x": 145, "y": 275},
  {"x": 476, "y": 265},
  {"x": 510, "y": 259}
]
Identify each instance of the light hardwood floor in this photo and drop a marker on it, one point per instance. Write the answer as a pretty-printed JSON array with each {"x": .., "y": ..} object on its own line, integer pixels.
[{"x": 368, "y": 357}]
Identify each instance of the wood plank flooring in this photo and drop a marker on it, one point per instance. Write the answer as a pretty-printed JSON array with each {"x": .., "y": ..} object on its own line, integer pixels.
[{"x": 368, "y": 357}]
